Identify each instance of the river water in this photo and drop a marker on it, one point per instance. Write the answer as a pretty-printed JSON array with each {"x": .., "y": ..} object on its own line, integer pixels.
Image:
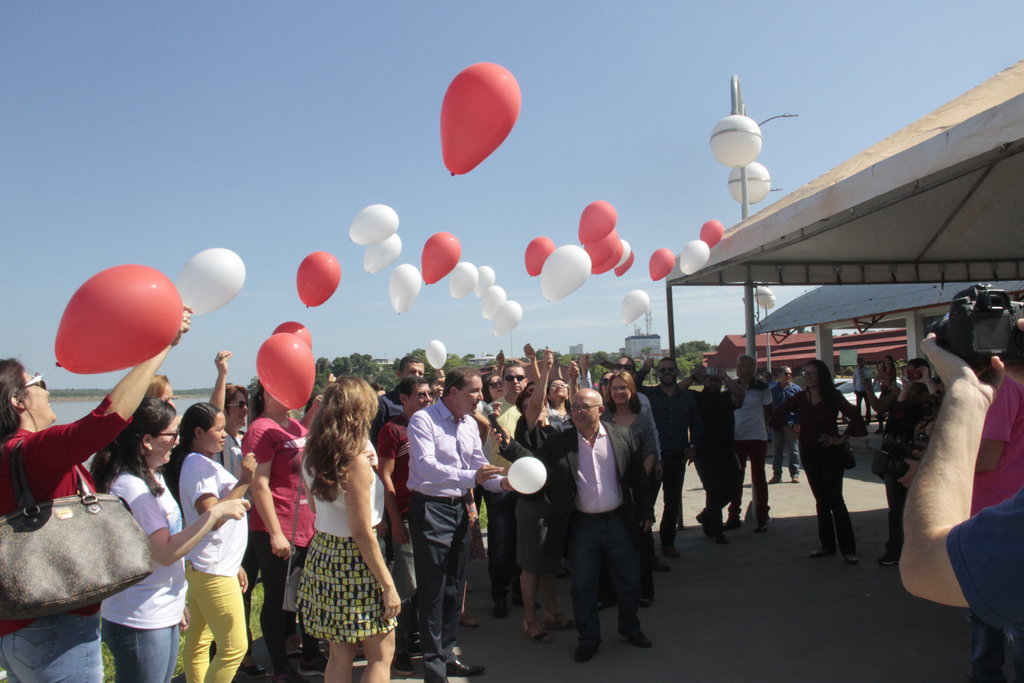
[{"x": 69, "y": 411}]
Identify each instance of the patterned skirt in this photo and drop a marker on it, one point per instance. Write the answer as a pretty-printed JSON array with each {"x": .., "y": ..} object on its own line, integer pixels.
[{"x": 339, "y": 599}]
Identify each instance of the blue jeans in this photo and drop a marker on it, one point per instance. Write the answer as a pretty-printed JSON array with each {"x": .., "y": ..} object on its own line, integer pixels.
[
  {"x": 64, "y": 647},
  {"x": 988, "y": 651},
  {"x": 142, "y": 655},
  {"x": 590, "y": 539},
  {"x": 783, "y": 443}
]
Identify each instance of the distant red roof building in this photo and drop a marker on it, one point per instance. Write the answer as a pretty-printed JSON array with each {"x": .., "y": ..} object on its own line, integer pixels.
[{"x": 798, "y": 348}]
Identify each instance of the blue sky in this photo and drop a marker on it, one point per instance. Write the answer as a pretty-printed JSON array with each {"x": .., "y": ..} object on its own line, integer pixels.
[{"x": 147, "y": 132}]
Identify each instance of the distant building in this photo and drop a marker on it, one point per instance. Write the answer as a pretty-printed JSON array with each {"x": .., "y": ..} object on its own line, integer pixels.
[
  {"x": 798, "y": 348},
  {"x": 643, "y": 345},
  {"x": 482, "y": 361},
  {"x": 575, "y": 349}
]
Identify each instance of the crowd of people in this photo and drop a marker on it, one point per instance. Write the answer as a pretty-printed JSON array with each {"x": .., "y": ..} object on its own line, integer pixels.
[{"x": 359, "y": 515}]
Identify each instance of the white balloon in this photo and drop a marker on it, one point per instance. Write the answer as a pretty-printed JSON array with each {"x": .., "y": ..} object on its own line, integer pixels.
[
  {"x": 210, "y": 279},
  {"x": 507, "y": 318},
  {"x": 462, "y": 280},
  {"x": 626, "y": 251},
  {"x": 437, "y": 354},
  {"x": 380, "y": 255},
  {"x": 494, "y": 296},
  {"x": 693, "y": 256},
  {"x": 527, "y": 475},
  {"x": 634, "y": 305},
  {"x": 404, "y": 286},
  {"x": 564, "y": 271},
  {"x": 485, "y": 278},
  {"x": 373, "y": 224}
]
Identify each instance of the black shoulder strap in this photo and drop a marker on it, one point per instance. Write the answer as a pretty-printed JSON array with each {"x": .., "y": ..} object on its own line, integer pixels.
[{"x": 22, "y": 494}]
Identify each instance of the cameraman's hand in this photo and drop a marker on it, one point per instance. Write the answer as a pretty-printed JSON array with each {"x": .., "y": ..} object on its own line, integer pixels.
[{"x": 952, "y": 368}]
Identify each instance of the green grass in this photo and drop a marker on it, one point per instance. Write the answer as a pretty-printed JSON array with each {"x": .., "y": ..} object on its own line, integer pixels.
[{"x": 257, "y": 632}]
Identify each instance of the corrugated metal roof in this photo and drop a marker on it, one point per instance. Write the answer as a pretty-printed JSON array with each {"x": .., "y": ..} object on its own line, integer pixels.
[{"x": 843, "y": 303}]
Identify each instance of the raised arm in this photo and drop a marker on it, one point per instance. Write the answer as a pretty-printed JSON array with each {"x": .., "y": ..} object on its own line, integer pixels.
[
  {"x": 129, "y": 392},
  {"x": 217, "y": 395}
]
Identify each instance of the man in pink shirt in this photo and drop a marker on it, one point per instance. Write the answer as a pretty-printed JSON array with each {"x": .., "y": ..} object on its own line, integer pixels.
[{"x": 998, "y": 475}]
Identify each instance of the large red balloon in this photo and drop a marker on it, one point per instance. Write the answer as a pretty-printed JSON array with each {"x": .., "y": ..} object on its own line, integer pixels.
[
  {"x": 711, "y": 232},
  {"x": 441, "y": 253},
  {"x": 621, "y": 270},
  {"x": 662, "y": 263},
  {"x": 597, "y": 220},
  {"x": 612, "y": 261},
  {"x": 298, "y": 329},
  {"x": 317, "y": 278},
  {"x": 118, "y": 318},
  {"x": 537, "y": 253},
  {"x": 286, "y": 369},
  {"x": 480, "y": 107},
  {"x": 602, "y": 250}
]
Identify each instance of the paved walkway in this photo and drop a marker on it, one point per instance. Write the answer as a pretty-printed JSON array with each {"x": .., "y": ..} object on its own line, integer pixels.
[{"x": 757, "y": 609}]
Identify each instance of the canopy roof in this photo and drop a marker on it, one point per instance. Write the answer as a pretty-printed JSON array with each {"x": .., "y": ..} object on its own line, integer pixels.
[
  {"x": 938, "y": 201},
  {"x": 864, "y": 306}
]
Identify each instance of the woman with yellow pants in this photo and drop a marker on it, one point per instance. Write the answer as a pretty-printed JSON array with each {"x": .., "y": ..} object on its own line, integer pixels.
[{"x": 215, "y": 577}]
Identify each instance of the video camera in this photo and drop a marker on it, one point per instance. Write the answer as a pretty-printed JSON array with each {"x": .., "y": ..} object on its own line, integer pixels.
[{"x": 982, "y": 323}]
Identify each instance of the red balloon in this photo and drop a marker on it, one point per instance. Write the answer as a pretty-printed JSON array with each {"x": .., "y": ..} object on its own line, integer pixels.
[
  {"x": 298, "y": 329},
  {"x": 621, "y": 270},
  {"x": 480, "y": 107},
  {"x": 537, "y": 253},
  {"x": 286, "y": 369},
  {"x": 662, "y": 263},
  {"x": 440, "y": 254},
  {"x": 597, "y": 221},
  {"x": 602, "y": 250},
  {"x": 118, "y": 318},
  {"x": 318, "y": 278},
  {"x": 612, "y": 261},
  {"x": 711, "y": 232}
]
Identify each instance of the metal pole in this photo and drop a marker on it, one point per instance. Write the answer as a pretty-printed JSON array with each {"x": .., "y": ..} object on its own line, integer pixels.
[
  {"x": 768, "y": 348},
  {"x": 748, "y": 314},
  {"x": 671, "y": 321}
]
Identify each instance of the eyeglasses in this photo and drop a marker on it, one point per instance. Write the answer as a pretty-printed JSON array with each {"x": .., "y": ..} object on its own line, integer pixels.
[
  {"x": 515, "y": 378},
  {"x": 237, "y": 404},
  {"x": 604, "y": 380},
  {"x": 559, "y": 385},
  {"x": 423, "y": 394},
  {"x": 582, "y": 407},
  {"x": 494, "y": 383},
  {"x": 37, "y": 380},
  {"x": 173, "y": 435}
]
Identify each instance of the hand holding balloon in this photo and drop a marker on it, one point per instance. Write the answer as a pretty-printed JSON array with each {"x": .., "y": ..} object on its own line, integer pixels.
[{"x": 527, "y": 475}]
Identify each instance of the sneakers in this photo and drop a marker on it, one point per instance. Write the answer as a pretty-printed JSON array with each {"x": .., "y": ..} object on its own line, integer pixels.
[
  {"x": 732, "y": 524},
  {"x": 888, "y": 560},
  {"x": 795, "y": 478},
  {"x": 313, "y": 667},
  {"x": 402, "y": 664}
]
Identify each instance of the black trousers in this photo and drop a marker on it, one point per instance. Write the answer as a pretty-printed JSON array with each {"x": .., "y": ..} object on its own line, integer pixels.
[
  {"x": 273, "y": 619},
  {"x": 440, "y": 542},
  {"x": 673, "y": 465},
  {"x": 896, "y": 496},
  {"x": 722, "y": 477},
  {"x": 824, "y": 470}
]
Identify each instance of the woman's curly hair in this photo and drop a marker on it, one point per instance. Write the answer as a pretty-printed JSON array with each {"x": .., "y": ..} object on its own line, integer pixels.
[{"x": 339, "y": 433}]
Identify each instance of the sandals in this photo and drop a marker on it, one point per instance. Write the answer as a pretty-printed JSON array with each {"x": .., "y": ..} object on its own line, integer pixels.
[
  {"x": 541, "y": 638},
  {"x": 558, "y": 621}
]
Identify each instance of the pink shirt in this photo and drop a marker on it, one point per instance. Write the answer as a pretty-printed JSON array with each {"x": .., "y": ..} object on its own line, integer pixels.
[
  {"x": 597, "y": 486},
  {"x": 1004, "y": 422}
]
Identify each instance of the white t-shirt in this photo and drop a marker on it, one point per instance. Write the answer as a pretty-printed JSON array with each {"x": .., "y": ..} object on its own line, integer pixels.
[
  {"x": 158, "y": 600},
  {"x": 750, "y": 417},
  {"x": 220, "y": 552},
  {"x": 332, "y": 515}
]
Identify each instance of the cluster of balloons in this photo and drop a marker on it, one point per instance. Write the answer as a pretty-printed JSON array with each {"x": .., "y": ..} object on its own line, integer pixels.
[
  {"x": 694, "y": 255},
  {"x": 124, "y": 315}
]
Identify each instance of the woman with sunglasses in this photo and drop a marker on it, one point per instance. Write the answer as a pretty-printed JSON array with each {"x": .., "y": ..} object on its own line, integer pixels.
[
  {"x": 818, "y": 406},
  {"x": 65, "y": 646},
  {"x": 141, "y": 624}
]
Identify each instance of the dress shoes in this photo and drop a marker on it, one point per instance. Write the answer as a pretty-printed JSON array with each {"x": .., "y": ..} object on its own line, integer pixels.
[
  {"x": 732, "y": 524},
  {"x": 669, "y": 551},
  {"x": 637, "y": 639},
  {"x": 457, "y": 668},
  {"x": 584, "y": 653},
  {"x": 500, "y": 610},
  {"x": 660, "y": 566}
]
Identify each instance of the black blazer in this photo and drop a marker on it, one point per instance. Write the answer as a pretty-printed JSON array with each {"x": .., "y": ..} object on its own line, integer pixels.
[{"x": 560, "y": 455}]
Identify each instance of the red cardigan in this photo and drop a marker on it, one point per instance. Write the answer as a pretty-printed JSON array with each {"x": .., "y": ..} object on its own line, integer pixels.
[
  {"x": 816, "y": 420},
  {"x": 50, "y": 457}
]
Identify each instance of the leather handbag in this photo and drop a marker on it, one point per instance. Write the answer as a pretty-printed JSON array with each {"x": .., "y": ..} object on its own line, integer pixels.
[
  {"x": 61, "y": 555},
  {"x": 290, "y": 603}
]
